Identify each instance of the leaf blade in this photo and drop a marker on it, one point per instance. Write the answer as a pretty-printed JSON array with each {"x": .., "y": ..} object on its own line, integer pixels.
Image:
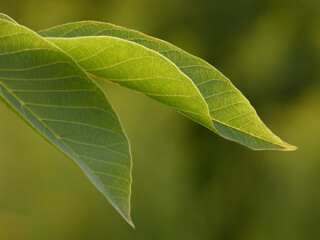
[
  {"x": 51, "y": 92},
  {"x": 231, "y": 113}
]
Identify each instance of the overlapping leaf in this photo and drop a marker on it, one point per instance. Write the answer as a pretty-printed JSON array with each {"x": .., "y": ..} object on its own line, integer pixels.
[
  {"x": 47, "y": 79},
  {"x": 51, "y": 92}
]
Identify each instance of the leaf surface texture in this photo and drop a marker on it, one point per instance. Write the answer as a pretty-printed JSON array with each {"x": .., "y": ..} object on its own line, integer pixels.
[
  {"x": 52, "y": 93},
  {"x": 231, "y": 115}
]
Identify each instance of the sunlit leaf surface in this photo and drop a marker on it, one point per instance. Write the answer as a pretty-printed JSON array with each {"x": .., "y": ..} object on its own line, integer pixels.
[{"x": 121, "y": 55}]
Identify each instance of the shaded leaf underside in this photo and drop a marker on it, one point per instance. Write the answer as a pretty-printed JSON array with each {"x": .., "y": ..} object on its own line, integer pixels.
[{"x": 49, "y": 90}]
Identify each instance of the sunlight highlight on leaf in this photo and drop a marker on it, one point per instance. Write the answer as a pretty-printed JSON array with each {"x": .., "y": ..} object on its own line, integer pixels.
[{"x": 231, "y": 114}]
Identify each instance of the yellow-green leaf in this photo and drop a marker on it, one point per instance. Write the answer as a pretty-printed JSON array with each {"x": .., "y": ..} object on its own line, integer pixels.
[{"x": 121, "y": 55}]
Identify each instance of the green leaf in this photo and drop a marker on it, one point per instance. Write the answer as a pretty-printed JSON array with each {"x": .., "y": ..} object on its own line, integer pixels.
[
  {"x": 168, "y": 74},
  {"x": 47, "y": 79},
  {"x": 52, "y": 93}
]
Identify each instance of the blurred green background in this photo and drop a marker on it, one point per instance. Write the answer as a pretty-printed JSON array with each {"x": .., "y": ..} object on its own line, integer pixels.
[{"x": 188, "y": 183}]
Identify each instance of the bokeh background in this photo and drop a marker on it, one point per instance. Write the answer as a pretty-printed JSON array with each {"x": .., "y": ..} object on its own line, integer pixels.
[{"x": 188, "y": 183}]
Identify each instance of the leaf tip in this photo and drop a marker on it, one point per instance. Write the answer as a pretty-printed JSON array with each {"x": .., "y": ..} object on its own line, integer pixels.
[
  {"x": 132, "y": 225},
  {"x": 125, "y": 213},
  {"x": 289, "y": 147},
  {"x": 129, "y": 221}
]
